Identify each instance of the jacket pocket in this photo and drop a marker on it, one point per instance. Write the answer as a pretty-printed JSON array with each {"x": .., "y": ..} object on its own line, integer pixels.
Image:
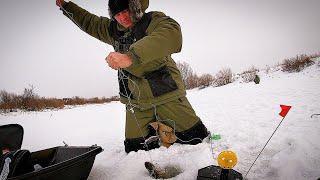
[{"x": 161, "y": 82}]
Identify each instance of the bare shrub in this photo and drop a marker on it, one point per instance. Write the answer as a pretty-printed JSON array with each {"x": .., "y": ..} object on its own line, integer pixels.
[
  {"x": 205, "y": 80},
  {"x": 223, "y": 77},
  {"x": 315, "y": 55},
  {"x": 113, "y": 98},
  {"x": 296, "y": 64},
  {"x": 185, "y": 70},
  {"x": 94, "y": 100},
  {"x": 192, "y": 81},
  {"x": 29, "y": 93},
  {"x": 97, "y": 100},
  {"x": 7, "y": 102},
  {"x": 44, "y": 103},
  {"x": 29, "y": 99},
  {"x": 107, "y": 100},
  {"x": 34, "y": 105},
  {"x": 75, "y": 101},
  {"x": 249, "y": 75},
  {"x": 268, "y": 69},
  {"x": 189, "y": 78},
  {"x": 5, "y": 97},
  {"x": 81, "y": 101},
  {"x": 53, "y": 103}
]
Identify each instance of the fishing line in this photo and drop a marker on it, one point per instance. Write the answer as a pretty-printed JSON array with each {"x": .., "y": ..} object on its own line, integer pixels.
[
  {"x": 210, "y": 136},
  {"x": 70, "y": 15}
]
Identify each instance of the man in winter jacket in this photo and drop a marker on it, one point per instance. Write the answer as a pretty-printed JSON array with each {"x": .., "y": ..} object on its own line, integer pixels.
[{"x": 150, "y": 83}]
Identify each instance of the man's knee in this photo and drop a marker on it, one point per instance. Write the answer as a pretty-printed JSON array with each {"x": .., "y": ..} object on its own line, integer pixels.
[
  {"x": 136, "y": 144},
  {"x": 140, "y": 143},
  {"x": 194, "y": 135}
]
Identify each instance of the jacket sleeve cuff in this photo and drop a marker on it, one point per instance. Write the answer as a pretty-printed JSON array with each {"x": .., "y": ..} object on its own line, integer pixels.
[
  {"x": 135, "y": 58},
  {"x": 68, "y": 6},
  {"x": 136, "y": 63}
]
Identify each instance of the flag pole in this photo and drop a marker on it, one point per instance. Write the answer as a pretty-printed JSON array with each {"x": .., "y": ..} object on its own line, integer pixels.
[{"x": 264, "y": 147}]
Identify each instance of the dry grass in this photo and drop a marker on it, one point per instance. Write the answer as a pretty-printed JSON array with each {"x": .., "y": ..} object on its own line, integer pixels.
[
  {"x": 30, "y": 101},
  {"x": 297, "y": 63}
]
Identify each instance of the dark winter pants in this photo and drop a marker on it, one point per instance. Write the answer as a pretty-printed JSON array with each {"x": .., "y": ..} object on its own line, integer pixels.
[{"x": 178, "y": 114}]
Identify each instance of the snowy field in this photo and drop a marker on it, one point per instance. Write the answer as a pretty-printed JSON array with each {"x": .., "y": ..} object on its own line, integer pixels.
[{"x": 244, "y": 114}]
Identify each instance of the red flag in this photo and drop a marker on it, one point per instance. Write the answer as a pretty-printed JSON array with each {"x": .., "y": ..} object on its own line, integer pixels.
[{"x": 284, "y": 110}]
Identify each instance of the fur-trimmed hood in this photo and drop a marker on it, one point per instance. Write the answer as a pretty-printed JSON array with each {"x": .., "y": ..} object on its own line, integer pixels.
[{"x": 137, "y": 8}]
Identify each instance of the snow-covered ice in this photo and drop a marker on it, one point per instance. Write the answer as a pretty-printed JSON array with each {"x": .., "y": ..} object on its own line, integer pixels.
[{"x": 244, "y": 114}]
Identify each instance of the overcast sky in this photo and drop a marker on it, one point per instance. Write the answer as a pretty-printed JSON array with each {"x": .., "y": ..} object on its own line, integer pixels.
[{"x": 41, "y": 47}]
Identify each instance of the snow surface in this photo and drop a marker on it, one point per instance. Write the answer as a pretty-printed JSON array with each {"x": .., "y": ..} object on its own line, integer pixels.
[{"x": 244, "y": 114}]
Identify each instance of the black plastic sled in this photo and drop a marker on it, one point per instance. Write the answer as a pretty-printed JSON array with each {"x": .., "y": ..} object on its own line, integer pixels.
[{"x": 57, "y": 163}]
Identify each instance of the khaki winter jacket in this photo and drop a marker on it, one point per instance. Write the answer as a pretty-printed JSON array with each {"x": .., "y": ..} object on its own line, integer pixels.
[{"x": 154, "y": 78}]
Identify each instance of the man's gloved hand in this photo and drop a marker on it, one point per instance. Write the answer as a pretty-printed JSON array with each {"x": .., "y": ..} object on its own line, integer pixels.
[
  {"x": 60, "y": 3},
  {"x": 117, "y": 60}
]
